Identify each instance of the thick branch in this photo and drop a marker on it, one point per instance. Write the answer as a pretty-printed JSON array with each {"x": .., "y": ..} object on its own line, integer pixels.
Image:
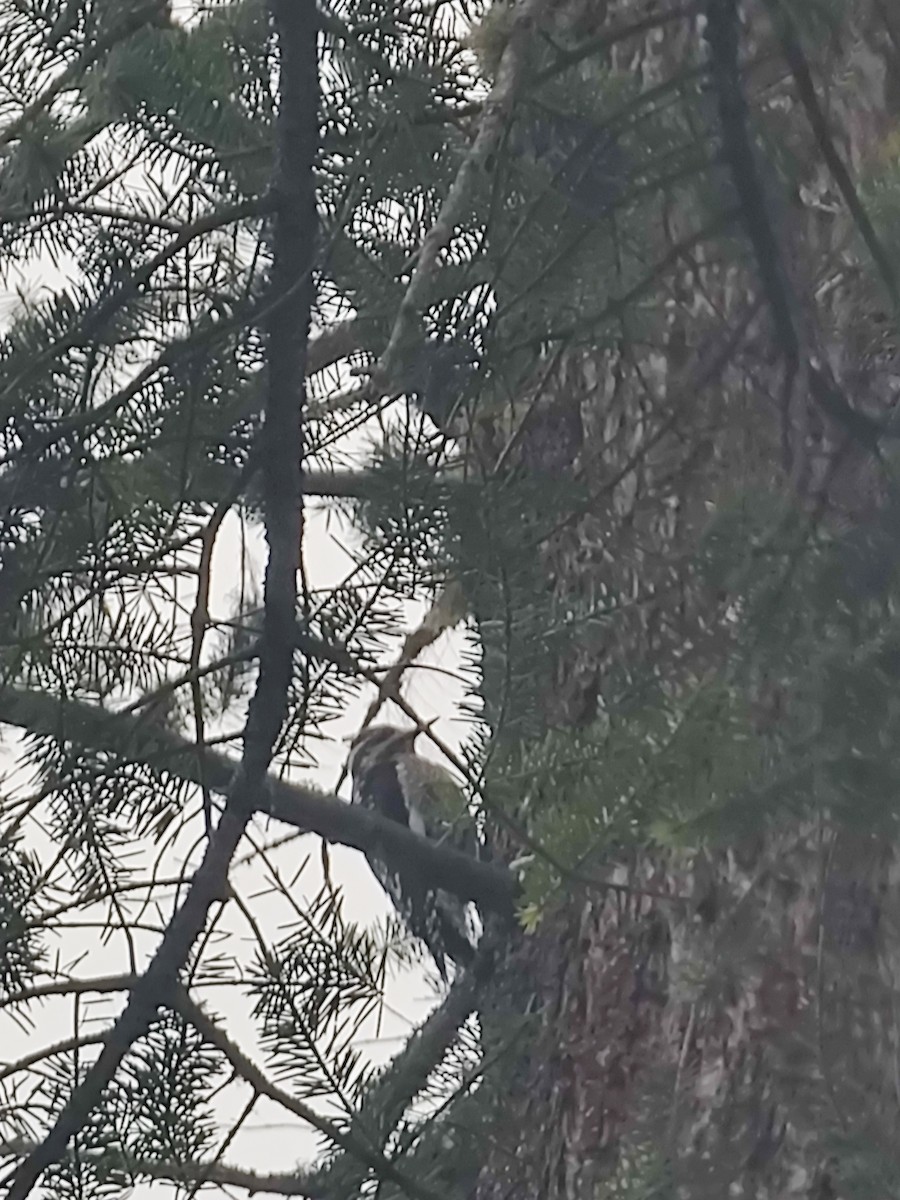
[
  {"x": 389, "y": 1097},
  {"x": 489, "y": 885},
  {"x": 494, "y": 116},
  {"x": 297, "y": 133}
]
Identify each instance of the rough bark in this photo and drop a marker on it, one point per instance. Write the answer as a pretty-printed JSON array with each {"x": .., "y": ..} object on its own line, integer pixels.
[{"x": 708, "y": 1041}]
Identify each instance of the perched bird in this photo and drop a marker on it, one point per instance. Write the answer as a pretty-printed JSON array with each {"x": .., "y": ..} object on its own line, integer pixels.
[{"x": 393, "y": 780}]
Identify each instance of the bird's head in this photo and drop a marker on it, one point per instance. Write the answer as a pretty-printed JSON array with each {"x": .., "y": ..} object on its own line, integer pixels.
[{"x": 380, "y": 743}]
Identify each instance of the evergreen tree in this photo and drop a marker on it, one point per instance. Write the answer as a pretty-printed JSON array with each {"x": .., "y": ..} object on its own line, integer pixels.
[{"x": 617, "y": 289}]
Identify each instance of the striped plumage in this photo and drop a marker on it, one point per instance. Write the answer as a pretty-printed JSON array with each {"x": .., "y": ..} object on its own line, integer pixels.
[{"x": 389, "y": 777}]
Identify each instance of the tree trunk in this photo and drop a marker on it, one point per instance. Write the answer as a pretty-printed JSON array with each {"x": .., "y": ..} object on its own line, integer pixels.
[{"x": 724, "y": 1041}]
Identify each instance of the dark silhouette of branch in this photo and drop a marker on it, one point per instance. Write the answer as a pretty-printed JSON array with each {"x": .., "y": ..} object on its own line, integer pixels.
[
  {"x": 610, "y": 37},
  {"x": 144, "y": 999},
  {"x": 389, "y": 1097},
  {"x": 722, "y": 34},
  {"x": 340, "y": 341},
  {"x": 67, "y": 1046},
  {"x": 369, "y": 1127},
  {"x": 294, "y": 242},
  {"x": 72, "y": 987},
  {"x": 294, "y": 1183},
  {"x": 510, "y": 74},
  {"x": 796, "y": 60},
  {"x": 96, "y": 316},
  {"x": 151, "y": 13},
  {"x": 350, "y": 1141}
]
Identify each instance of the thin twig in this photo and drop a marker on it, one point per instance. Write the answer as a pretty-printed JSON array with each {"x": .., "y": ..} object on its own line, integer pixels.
[{"x": 243, "y": 1066}]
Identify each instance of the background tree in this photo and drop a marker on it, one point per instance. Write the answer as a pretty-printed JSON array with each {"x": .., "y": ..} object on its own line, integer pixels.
[{"x": 632, "y": 274}]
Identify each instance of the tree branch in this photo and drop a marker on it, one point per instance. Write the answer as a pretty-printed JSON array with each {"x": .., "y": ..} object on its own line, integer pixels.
[
  {"x": 490, "y": 885},
  {"x": 293, "y": 1183},
  {"x": 67, "y": 1046},
  {"x": 288, "y": 1183},
  {"x": 72, "y": 987},
  {"x": 806, "y": 90},
  {"x": 723, "y": 38},
  {"x": 294, "y": 245},
  {"x": 388, "y": 1098},
  {"x": 494, "y": 115},
  {"x": 382, "y": 1107},
  {"x": 72, "y": 74},
  {"x": 722, "y": 33},
  {"x": 94, "y": 319},
  {"x": 349, "y": 1142}
]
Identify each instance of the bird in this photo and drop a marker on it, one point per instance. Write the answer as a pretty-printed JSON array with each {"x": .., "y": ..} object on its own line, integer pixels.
[{"x": 390, "y": 778}]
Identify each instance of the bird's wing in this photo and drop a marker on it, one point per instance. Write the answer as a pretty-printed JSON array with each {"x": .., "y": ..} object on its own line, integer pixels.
[{"x": 421, "y": 794}]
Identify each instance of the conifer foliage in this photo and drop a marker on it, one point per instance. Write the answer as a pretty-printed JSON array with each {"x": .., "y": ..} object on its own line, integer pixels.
[{"x": 582, "y": 318}]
